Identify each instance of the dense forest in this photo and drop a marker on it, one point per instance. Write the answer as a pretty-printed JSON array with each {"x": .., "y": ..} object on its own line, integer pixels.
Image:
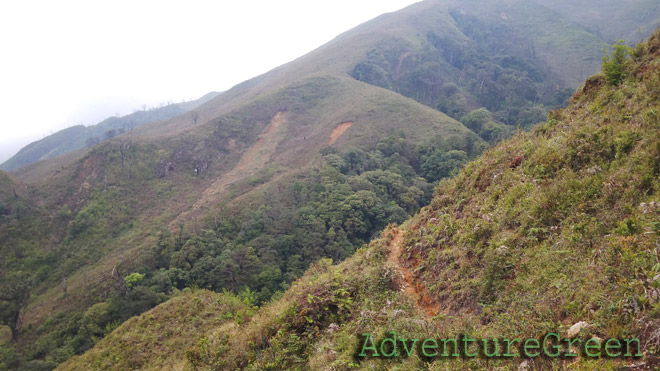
[
  {"x": 329, "y": 210},
  {"x": 495, "y": 70}
]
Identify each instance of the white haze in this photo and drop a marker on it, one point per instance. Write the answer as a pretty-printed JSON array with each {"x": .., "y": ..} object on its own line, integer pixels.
[{"x": 77, "y": 62}]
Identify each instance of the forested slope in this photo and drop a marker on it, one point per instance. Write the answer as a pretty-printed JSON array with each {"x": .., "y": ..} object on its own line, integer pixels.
[{"x": 551, "y": 229}]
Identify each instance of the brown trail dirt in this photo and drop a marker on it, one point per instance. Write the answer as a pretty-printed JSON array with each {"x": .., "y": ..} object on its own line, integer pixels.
[
  {"x": 338, "y": 131},
  {"x": 252, "y": 160},
  {"x": 410, "y": 286}
]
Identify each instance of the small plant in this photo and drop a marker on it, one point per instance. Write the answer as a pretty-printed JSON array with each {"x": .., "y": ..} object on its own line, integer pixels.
[
  {"x": 614, "y": 66},
  {"x": 627, "y": 227}
]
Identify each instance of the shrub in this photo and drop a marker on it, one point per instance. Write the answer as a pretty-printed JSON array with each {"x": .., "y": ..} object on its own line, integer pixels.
[
  {"x": 614, "y": 67},
  {"x": 134, "y": 279}
]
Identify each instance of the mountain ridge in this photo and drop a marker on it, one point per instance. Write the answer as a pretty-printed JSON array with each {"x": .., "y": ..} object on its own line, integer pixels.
[{"x": 80, "y": 136}]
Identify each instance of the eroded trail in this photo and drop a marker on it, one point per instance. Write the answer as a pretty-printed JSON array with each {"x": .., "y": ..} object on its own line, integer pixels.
[
  {"x": 253, "y": 159},
  {"x": 411, "y": 286}
]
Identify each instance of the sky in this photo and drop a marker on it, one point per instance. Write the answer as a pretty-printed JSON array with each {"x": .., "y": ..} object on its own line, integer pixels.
[{"x": 66, "y": 63}]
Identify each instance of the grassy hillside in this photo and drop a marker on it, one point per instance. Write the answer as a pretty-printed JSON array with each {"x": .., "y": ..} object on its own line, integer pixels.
[
  {"x": 612, "y": 20},
  {"x": 302, "y": 163},
  {"x": 536, "y": 38},
  {"x": 79, "y": 136},
  {"x": 164, "y": 346},
  {"x": 546, "y": 230},
  {"x": 120, "y": 207}
]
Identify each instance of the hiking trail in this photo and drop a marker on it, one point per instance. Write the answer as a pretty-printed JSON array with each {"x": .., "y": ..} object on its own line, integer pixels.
[
  {"x": 251, "y": 161},
  {"x": 410, "y": 286}
]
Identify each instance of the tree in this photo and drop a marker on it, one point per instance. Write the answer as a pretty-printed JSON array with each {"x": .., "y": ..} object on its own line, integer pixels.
[
  {"x": 441, "y": 165},
  {"x": 134, "y": 279},
  {"x": 476, "y": 119},
  {"x": 14, "y": 296},
  {"x": 614, "y": 67}
]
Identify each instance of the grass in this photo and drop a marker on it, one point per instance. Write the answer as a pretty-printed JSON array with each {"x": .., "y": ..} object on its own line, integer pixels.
[
  {"x": 547, "y": 229},
  {"x": 318, "y": 94},
  {"x": 162, "y": 337}
]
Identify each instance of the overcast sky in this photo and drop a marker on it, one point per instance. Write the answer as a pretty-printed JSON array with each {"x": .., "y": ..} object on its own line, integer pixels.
[{"x": 77, "y": 62}]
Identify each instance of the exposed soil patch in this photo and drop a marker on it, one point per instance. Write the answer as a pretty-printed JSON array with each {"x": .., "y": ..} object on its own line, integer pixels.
[
  {"x": 252, "y": 160},
  {"x": 338, "y": 131},
  {"x": 402, "y": 57},
  {"x": 425, "y": 302}
]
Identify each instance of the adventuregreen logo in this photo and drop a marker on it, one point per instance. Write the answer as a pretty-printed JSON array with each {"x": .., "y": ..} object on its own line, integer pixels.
[{"x": 551, "y": 345}]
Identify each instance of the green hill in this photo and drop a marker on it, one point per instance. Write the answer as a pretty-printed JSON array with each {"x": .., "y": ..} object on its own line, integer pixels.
[
  {"x": 309, "y": 161},
  {"x": 612, "y": 20},
  {"x": 79, "y": 136},
  {"x": 552, "y": 231},
  {"x": 166, "y": 346},
  {"x": 119, "y": 207}
]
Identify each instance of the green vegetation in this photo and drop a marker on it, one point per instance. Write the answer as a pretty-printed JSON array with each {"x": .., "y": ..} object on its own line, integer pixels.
[
  {"x": 327, "y": 211},
  {"x": 245, "y": 197},
  {"x": 545, "y": 230},
  {"x": 614, "y": 66},
  {"x": 608, "y": 19},
  {"x": 492, "y": 67},
  {"x": 188, "y": 318},
  {"x": 329, "y": 208},
  {"x": 454, "y": 76},
  {"x": 14, "y": 296}
]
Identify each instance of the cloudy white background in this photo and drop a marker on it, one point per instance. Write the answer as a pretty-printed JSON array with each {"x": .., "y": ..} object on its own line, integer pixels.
[{"x": 77, "y": 62}]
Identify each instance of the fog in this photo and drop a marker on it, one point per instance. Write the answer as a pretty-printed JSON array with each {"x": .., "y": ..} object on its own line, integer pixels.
[{"x": 77, "y": 62}]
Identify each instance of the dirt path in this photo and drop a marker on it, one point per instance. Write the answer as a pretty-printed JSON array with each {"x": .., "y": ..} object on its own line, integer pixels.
[
  {"x": 411, "y": 286},
  {"x": 338, "y": 131},
  {"x": 252, "y": 160}
]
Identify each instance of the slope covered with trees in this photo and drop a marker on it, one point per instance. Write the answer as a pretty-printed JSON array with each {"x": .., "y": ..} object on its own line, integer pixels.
[
  {"x": 548, "y": 229},
  {"x": 612, "y": 20},
  {"x": 493, "y": 57}
]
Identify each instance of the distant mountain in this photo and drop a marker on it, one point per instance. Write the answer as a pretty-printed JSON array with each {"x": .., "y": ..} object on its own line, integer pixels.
[
  {"x": 306, "y": 162},
  {"x": 554, "y": 231},
  {"x": 79, "y": 136},
  {"x": 612, "y": 20}
]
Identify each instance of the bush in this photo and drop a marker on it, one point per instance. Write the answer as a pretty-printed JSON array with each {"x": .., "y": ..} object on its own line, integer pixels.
[
  {"x": 614, "y": 67},
  {"x": 134, "y": 279}
]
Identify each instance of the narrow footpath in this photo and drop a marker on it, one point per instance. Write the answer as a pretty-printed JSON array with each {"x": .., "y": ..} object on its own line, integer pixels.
[{"x": 412, "y": 287}]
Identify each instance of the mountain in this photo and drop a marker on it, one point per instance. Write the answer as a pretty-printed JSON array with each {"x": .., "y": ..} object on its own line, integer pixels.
[
  {"x": 554, "y": 230},
  {"x": 612, "y": 20},
  {"x": 80, "y": 136},
  {"x": 306, "y": 162}
]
